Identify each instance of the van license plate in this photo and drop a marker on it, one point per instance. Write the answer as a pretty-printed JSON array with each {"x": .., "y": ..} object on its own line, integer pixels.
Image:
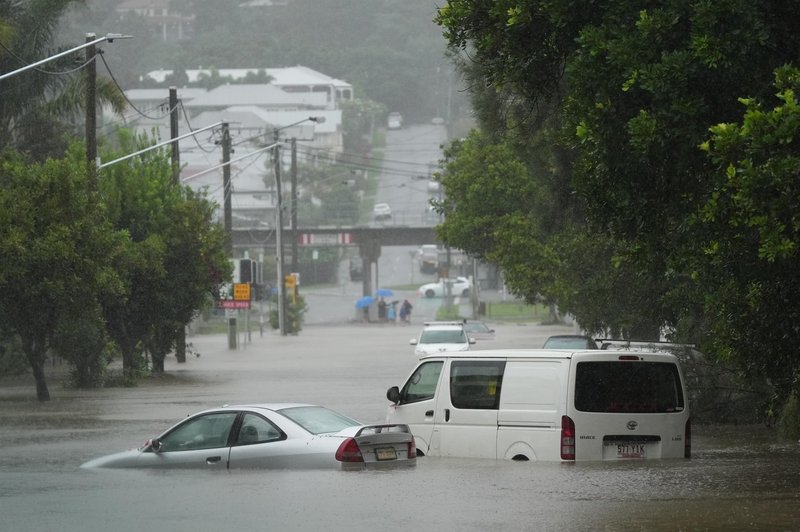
[
  {"x": 385, "y": 453},
  {"x": 630, "y": 450}
]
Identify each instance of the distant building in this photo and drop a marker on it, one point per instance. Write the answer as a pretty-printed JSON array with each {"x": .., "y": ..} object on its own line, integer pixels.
[
  {"x": 254, "y": 113},
  {"x": 167, "y": 24},
  {"x": 297, "y": 79}
]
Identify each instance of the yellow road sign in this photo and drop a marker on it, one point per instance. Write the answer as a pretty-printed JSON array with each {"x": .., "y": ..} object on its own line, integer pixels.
[{"x": 241, "y": 292}]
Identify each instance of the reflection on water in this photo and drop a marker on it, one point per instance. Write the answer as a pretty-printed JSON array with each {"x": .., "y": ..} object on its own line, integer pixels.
[{"x": 745, "y": 485}]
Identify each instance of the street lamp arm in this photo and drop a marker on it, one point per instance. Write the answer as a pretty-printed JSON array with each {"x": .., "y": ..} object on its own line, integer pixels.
[
  {"x": 217, "y": 167},
  {"x": 108, "y": 37},
  {"x": 160, "y": 144}
]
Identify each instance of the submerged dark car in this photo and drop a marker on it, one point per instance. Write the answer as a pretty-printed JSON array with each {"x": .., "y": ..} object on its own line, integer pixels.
[{"x": 570, "y": 341}]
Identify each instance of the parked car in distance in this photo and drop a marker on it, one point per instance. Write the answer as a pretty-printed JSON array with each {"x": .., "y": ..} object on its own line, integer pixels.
[
  {"x": 460, "y": 286},
  {"x": 428, "y": 258},
  {"x": 356, "y": 268},
  {"x": 282, "y": 436},
  {"x": 478, "y": 330},
  {"x": 382, "y": 211},
  {"x": 441, "y": 336},
  {"x": 569, "y": 341},
  {"x": 395, "y": 121}
]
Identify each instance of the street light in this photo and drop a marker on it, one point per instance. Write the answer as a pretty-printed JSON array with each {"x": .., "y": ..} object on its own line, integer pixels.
[{"x": 108, "y": 37}]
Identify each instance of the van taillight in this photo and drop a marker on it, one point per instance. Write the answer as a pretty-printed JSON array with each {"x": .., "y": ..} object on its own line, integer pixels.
[
  {"x": 687, "y": 440},
  {"x": 412, "y": 449},
  {"x": 348, "y": 451},
  {"x": 629, "y": 357},
  {"x": 567, "y": 438}
]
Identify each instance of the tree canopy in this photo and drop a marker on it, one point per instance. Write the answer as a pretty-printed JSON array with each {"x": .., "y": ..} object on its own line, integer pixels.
[{"x": 646, "y": 200}]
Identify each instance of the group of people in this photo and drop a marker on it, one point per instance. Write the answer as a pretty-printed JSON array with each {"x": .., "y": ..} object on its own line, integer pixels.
[{"x": 387, "y": 312}]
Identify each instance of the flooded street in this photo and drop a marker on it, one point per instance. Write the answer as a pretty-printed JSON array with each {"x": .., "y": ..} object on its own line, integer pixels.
[{"x": 738, "y": 478}]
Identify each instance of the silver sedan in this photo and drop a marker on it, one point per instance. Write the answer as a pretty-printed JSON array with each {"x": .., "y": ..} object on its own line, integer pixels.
[{"x": 285, "y": 436}]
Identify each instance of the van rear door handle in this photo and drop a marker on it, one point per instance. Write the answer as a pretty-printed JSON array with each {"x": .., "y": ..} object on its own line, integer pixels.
[
  {"x": 429, "y": 413},
  {"x": 447, "y": 414}
]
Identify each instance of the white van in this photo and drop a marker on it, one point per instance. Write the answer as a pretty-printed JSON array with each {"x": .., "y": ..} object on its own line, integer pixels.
[{"x": 553, "y": 405}]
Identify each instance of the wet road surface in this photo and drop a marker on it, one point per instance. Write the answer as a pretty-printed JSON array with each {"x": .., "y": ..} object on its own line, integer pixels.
[{"x": 738, "y": 479}]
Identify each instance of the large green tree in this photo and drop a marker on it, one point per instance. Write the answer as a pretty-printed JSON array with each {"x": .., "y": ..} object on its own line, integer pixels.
[
  {"x": 752, "y": 255},
  {"x": 175, "y": 261},
  {"x": 58, "y": 253},
  {"x": 626, "y": 91}
]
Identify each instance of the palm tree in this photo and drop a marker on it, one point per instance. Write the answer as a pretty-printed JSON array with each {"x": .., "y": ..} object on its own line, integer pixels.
[{"x": 38, "y": 106}]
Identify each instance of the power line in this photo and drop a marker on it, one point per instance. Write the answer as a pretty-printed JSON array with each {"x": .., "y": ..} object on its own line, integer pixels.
[{"x": 130, "y": 103}]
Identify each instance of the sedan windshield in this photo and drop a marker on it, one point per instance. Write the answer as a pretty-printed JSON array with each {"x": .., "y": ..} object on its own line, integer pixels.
[
  {"x": 443, "y": 337},
  {"x": 318, "y": 420}
]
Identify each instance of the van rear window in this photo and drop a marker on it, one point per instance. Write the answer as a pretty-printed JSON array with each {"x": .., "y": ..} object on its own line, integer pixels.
[{"x": 626, "y": 386}]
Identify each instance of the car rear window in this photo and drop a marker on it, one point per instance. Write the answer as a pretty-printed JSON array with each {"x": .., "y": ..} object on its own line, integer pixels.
[
  {"x": 628, "y": 386},
  {"x": 318, "y": 420}
]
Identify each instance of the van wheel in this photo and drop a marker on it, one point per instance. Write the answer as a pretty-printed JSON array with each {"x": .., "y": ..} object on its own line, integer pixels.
[
  {"x": 465, "y": 293},
  {"x": 420, "y": 453},
  {"x": 520, "y": 458},
  {"x": 429, "y": 293}
]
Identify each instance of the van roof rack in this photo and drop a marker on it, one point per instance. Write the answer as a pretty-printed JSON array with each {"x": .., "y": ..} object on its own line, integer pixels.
[{"x": 605, "y": 342}]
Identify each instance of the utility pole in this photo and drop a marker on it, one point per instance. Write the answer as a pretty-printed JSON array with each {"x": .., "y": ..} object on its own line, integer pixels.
[
  {"x": 173, "y": 129},
  {"x": 293, "y": 233},
  {"x": 91, "y": 112},
  {"x": 226, "y": 187},
  {"x": 279, "y": 239},
  {"x": 180, "y": 339},
  {"x": 226, "y": 191}
]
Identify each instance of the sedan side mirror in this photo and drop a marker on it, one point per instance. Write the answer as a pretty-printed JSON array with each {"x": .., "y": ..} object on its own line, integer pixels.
[
  {"x": 471, "y": 340},
  {"x": 155, "y": 444},
  {"x": 393, "y": 394},
  {"x": 413, "y": 341}
]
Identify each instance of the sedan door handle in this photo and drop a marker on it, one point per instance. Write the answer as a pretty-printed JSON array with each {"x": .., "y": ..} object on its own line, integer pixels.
[
  {"x": 428, "y": 413},
  {"x": 213, "y": 459}
]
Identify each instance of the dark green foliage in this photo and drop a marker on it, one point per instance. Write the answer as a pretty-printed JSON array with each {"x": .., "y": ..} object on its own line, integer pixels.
[
  {"x": 295, "y": 312},
  {"x": 620, "y": 217}
]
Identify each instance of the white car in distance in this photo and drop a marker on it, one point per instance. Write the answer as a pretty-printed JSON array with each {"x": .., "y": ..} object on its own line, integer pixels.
[
  {"x": 441, "y": 336},
  {"x": 382, "y": 211},
  {"x": 460, "y": 286},
  {"x": 395, "y": 121}
]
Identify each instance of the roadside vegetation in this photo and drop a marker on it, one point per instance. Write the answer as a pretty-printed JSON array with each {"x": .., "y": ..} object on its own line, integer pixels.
[{"x": 638, "y": 167}]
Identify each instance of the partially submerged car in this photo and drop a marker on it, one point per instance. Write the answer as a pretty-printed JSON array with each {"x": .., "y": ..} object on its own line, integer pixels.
[
  {"x": 569, "y": 341},
  {"x": 478, "y": 330},
  {"x": 274, "y": 436},
  {"x": 440, "y": 337}
]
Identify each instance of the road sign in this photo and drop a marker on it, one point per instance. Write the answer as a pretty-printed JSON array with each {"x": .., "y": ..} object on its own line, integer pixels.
[
  {"x": 290, "y": 281},
  {"x": 232, "y": 304},
  {"x": 241, "y": 292}
]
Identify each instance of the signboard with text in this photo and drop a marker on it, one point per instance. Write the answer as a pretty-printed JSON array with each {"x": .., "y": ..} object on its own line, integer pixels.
[
  {"x": 232, "y": 304},
  {"x": 241, "y": 292}
]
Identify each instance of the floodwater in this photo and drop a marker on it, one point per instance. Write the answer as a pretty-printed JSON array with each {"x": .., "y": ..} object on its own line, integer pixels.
[{"x": 739, "y": 478}]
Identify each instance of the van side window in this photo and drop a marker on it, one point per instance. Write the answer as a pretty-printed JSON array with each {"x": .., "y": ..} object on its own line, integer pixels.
[
  {"x": 422, "y": 383},
  {"x": 475, "y": 384},
  {"x": 640, "y": 387}
]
